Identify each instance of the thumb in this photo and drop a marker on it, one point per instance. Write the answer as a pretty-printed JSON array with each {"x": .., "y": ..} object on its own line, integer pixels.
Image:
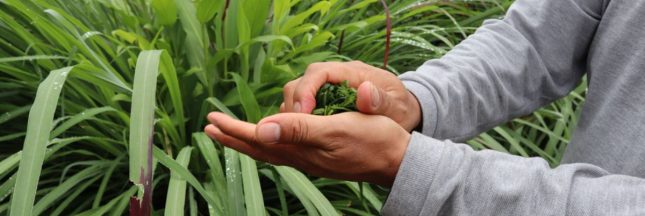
[
  {"x": 371, "y": 100},
  {"x": 292, "y": 128}
]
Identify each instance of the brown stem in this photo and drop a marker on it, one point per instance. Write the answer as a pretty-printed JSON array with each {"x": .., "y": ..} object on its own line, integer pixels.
[
  {"x": 226, "y": 5},
  {"x": 388, "y": 32}
]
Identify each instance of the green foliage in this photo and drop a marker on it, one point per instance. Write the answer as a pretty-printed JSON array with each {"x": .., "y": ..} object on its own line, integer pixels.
[
  {"x": 148, "y": 71},
  {"x": 335, "y": 98}
]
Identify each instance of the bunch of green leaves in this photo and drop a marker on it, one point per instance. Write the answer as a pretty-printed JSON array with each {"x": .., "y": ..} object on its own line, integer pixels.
[{"x": 335, "y": 98}]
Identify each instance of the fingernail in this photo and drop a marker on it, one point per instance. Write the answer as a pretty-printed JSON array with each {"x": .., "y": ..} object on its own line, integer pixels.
[
  {"x": 269, "y": 133},
  {"x": 376, "y": 98},
  {"x": 296, "y": 107}
]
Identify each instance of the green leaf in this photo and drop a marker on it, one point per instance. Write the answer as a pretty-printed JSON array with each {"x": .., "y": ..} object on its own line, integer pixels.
[
  {"x": 306, "y": 190},
  {"x": 298, "y": 19},
  {"x": 266, "y": 39},
  {"x": 195, "y": 38},
  {"x": 142, "y": 113},
  {"x": 14, "y": 113},
  {"x": 247, "y": 98},
  {"x": 183, "y": 173},
  {"x": 30, "y": 58},
  {"x": 59, "y": 191},
  {"x": 176, "y": 196},
  {"x": 85, "y": 115},
  {"x": 206, "y": 9},
  {"x": 9, "y": 162},
  {"x": 369, "y": 194},
  {"x": 220, "y": 106},
  {"x": 252, "y": 190},
  {"x": 165, "y": 10},
  {"x": 234, "y": 185},
  {"x": 210, "y": 154},
  {"x": 39, "y": 126},
  {"x": 169, "y": 74}
]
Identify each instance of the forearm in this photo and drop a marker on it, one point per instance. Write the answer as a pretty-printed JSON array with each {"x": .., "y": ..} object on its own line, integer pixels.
[
  {"x": 508, "y": 68},
  {"x": 440, "y": 177}
]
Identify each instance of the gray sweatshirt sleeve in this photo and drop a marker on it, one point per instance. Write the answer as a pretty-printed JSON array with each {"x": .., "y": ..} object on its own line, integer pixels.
[
  {"x": 444, "y": 178},
  {"x": 507, "y": 68}
]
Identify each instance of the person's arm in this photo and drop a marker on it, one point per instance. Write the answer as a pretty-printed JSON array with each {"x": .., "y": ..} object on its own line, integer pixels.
[
  {"x": 444, "y": 178},
  {"x": 508, "y": 68}
]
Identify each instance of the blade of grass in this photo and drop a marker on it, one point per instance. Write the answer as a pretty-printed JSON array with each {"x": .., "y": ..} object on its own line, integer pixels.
[
  {"x": 252, "y": 190},
  {"x": 234, "y": 187},
  {"x": 515, "y": 143},
  {"x": 210, "y": 154},
  {"x": 192, "y": 203},
  {"x": 194, "y": 36},
  {"x": 110, "y": 205},
  {"x": 141, "y": 129},
  {"x": 61, "y": 190},
  {"x": 8, "y": 163},
  {"x": 169, "y": 74},
  {"x": 39, "y": 126},
  {"x": 166, "y": 11},
  {"x": 14, "y": 113},
  {"x": 183, "y": 173},
  {"x": 298, "y": 181},
  {"x": 369, "y": 194},
  {"x": 87, "y": 114},
  {"x": 142, "y": 114},
  {"x": 251, "y": 181},
  {"x": 104, "y": 182},
  {"x": 6, "y": 187},
  {"x": 176, "y": 197},
  {"x": 206, "y": 9}
]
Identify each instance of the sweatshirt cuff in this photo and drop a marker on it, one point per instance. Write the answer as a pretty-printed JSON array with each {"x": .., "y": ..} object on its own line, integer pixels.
[
  {"x": 415, "y": 176},
  {"x": 428, "y": 106}
]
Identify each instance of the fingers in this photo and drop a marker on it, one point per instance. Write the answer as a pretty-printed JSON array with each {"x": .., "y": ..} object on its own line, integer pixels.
[
  {"x": 296, "y": 129},
  {"x": 253, "y": 149},
  {"x": 231, "y": 142},
  {"x": 287, "y": 93},
  {"x": 372, "y": 100},
  {"x": 241, "y": 130},
  {"x": 284, "y": 128},
  {"x": 274, "y": 137},
  {"x": 316, "y": 75}
]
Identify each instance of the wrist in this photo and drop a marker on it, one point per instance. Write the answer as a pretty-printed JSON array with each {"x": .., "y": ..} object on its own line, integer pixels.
[
  {"x": 414, "y": 113},
  {"x": 393, "y": 160}
]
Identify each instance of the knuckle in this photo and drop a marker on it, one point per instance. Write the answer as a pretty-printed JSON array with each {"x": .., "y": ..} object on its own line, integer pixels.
[
  {"x": 299, "y": 131},
  {"x": 289, "y": 85},
  {"x": 313, "y": 67}
]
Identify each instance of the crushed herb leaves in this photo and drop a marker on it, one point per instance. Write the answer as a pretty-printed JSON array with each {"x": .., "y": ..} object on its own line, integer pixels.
[{"x": 335, "y": 98}]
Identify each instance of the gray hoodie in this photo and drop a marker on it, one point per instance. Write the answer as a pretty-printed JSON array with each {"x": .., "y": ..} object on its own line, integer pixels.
[{"x": 509, "y": 68}]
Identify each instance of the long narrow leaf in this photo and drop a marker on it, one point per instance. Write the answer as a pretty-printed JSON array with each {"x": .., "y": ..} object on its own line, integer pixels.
[
  {"x": 210, "y": 154},
  {"x": 176, "y": 196},
  {"x": 251, "y": 181},
  {"x": 39, "y": 126},
  {"x": 182, "y": 172},
  {"x": 298, "y": 181},
  {"x": 141, "y": 129}
]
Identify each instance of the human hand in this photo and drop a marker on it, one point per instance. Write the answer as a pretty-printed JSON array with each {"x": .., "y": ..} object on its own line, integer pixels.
[
  {"x": 379, "y": 91},
  {"x": 350, "y": 146}
]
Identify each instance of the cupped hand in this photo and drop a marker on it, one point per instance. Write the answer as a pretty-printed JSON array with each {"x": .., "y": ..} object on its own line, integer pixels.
[
  {"x": 379, "y": 91},
  {"x": 350, "y": 146}
]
